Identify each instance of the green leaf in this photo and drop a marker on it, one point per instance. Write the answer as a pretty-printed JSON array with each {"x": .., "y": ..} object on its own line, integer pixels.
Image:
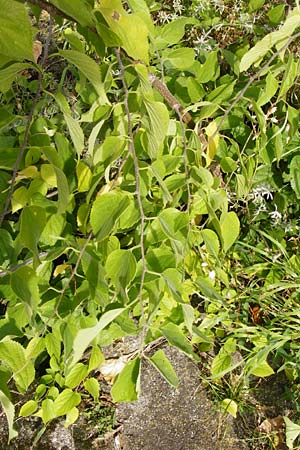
[
  {"x": 8, "y": 75},
  {"x": 256, "y": 53},
  {"x": 71, "y": 416},
  {"x": 85, "y": 336},
  {"x": 111, "y": 149},
  {"x": 165, "y": 368},
  {"x": 228, "y": 165},
  {"x": 180, "y": 58},
  {"x": 46, "y": 412},
  {"x": 13, "y": 356},
  {"x": 172, "y": 32},
  {"x": 220, "y": 363},
  {"x": 269, "y": 90},
  {"x": 28, "y": 408},
  {"x": 130, "y": 28},
  {"x": 76, "y": 375},
  {"x": 156, "y": 124},
  {"x": 76, "y": 133},
  {"x": 175, "y": 337},
  {"x": 292, "y": 431},
  {"x": 255, "y": 4},
  {"x": 209, "y": 70},
  {"x": 212, "y": 243},
  {"x": 5, "y": 116},
  {"x": 16, "y": 32},
  {"x": 174, "y": 224},
  {"x": 230, "y": 229},
  {"x": 276, "y": 14},
  {"x": 53, "y": 344},
  {"x": 160, "y": 259},
  {"x": 106, "y": 210},
  {"x": 121, "y": 268},
  {"x": 24, "y": 283},
  {"x": 90, "y": 70},
  {"x": 9, "y": 410},
  {"x": 84, "y": 176},
  {"x": 33, "y": 221},
  {"x": 78, "y": 9},
  {"x": 53, "y": 229},
  {"x": 65, "y": 402},
  {"x": 93, "y": 388},
  {"x": 230, "y": 406},
  {"x": 290, "y": 74},
  {"x": 262, "y": 369},
  {"x": 96, "y": 358},
  {"x": 127, "y": 385},
  {"x": 295, "y": 175}
]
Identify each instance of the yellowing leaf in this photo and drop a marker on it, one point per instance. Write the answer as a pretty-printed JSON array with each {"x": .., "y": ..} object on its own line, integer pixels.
[
  {"x": 130, "y": 28},
  {"x": 213, "y": 141},
  {"x": 262, "y": 370},
  {"x": 84, "y": 176},
  {"x": 229, "y": 406}
]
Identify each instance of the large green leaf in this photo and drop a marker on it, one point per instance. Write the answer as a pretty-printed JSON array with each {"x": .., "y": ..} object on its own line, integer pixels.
[
  {"x": 85, "y": 336},
  {"x": 76, "y": 133},
  {"x": 127, "y": 385},
  {"x": 12, "y": 354},
  {"x": 16, "y": 31},
  {"x": 175, "y": 337},
  {"x": 89, "y": 68},
  {"x": 230, "y": 228},
  {"x": 157, "y": 124},
  {"x": 33, "y": 221},
  {"x": 278, "y": 38},
  {"x": 165, "y": 368},
  {"x": 24, "y": 283},
  {"x": 180, "y": 58},
  {"x": 130, "y": 28},
  {"x": 121, "y": 267},
  {"x": 106, "y": 210},
  {"x": 78, "y": 9},
  {"x": 172, "y": 32},
  {"x": 65, "y": 401}
]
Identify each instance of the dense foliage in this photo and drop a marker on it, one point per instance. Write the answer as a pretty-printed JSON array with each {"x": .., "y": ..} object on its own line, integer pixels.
[{"x": 149, "y": 186}]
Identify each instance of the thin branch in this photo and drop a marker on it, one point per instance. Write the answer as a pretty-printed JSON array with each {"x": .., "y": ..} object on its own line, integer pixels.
[
  {"x": 28, "y": 125},
  {"x": 187, "y": 183},
  {"x": 137, "y": 188},
  {"x": 171, "y": 100}
]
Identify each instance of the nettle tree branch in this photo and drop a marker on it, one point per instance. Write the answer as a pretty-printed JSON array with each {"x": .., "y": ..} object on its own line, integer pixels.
[
  {"x": 28, "y": 125},
  {"x": 137, "y": 189},
  {"x": 157, "y": 84}
]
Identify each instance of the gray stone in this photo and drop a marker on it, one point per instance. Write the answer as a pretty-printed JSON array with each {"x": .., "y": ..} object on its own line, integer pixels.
[{"x": 165, "y": 418}]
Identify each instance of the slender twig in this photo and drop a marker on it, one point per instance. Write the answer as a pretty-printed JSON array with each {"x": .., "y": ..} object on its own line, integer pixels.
[
  {"x": 188, "y": 189},
  {"x": 28, "y": 125},
  {"x": 137, "y": 189},
  {"x": 171, "y": 99}
]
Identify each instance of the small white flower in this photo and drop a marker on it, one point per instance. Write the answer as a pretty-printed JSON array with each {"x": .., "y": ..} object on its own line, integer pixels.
[
  {"x": 275, "y": 215},
  {"x": 178, "y": 6},
  {"x": 212, "y": 275}
]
